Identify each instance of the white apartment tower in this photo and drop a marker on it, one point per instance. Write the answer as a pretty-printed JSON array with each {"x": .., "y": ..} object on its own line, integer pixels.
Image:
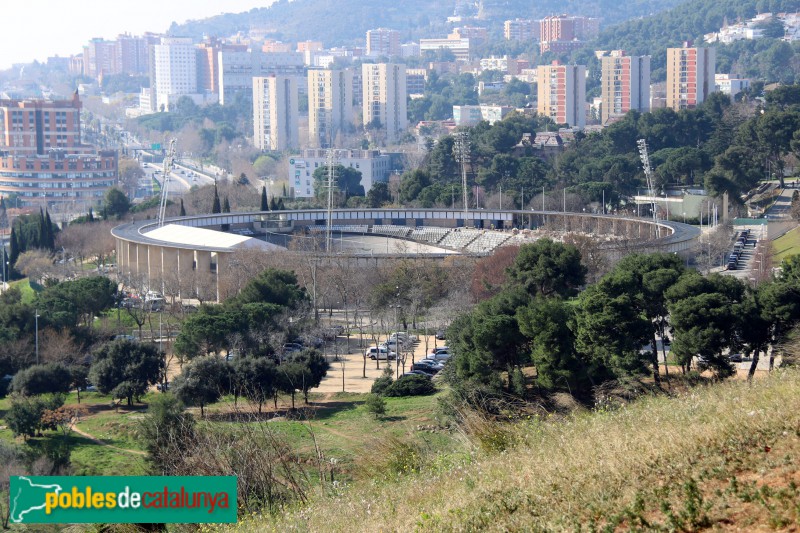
[
  {"x": 562, "y": 93},
  {"x": 385, "y": 97},
  {"x": 690, "y": 76},
  {"x": 174, "y": 70},
  {"x": 625, "y": 82},
  {"x": 275, "y": 112},
  {"x": 330, "y": 105}
]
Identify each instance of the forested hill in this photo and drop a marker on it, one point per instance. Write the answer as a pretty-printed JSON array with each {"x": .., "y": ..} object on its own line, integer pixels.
[
  {"x": 337, "y": 22},
  {"x": 688, "y": 21}
]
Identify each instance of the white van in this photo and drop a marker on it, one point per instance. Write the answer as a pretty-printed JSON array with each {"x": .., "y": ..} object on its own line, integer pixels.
[{"x": 380, "y": 352}]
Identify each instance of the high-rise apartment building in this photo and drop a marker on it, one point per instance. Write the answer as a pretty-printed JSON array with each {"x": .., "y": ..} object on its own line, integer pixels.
[
  {"x": 100, "y": 58},
  {"x": 173, "y": 71},
  {"x": 383, "y": 42},
  {"x": 521, "y": 30},
  {"x": 275, "y": 112},
  {"x": 42, "y": 159},
  {"x": 384, "y": 100},
  {"x": 690, "y": 76},
  {"x": 330, "y": 105},
  {"x": 562, "y": 93},
  {"x": 476, "y": 35},
  {"x": 237, "y": 67},
  {"x": 562, "y": 33},
  {"x": 625, "y": 84},
  {"x": 132, "y": 54}
]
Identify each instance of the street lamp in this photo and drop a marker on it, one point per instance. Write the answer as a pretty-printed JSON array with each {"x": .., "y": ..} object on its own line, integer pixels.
[{"x": 36, "y": 335}]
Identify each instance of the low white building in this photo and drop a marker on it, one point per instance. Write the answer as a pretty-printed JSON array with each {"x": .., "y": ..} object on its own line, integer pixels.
[
  {"x": 375, "y": 166},
  {"x": 730, "y": 86}
]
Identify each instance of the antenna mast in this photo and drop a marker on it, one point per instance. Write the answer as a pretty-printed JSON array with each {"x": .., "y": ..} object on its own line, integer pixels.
[{"x": 169, "y": 162}]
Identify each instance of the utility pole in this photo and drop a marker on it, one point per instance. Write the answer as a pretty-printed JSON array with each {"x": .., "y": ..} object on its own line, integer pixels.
[
  {"x": 36, "y": 335},
  {"x": 169, "y": 162}
]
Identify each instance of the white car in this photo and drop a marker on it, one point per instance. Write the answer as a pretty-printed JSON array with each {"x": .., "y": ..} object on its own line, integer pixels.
[
  {"x": 380, "y": 352},
  {"x": 403, "y": 336}
]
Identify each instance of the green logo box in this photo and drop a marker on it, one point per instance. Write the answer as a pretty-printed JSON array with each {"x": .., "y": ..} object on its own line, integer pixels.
[{"x": 122, "y": 499}]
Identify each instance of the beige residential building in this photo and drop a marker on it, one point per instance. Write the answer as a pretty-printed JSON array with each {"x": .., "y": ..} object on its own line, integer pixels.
[
  {"x": 384, "y": 100},
  {"x": 562, "y": 93},
  {"x": 690, "y": 76},
  {"x": 625, "y": 84},
  {"x": 275, "y": 113},
  {"x": 383, "y": 42},
  {"x": 330, "y": 105}
]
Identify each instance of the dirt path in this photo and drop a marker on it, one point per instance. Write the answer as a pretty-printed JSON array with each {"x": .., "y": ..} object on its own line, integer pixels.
[{"x": 103, "y": 443}]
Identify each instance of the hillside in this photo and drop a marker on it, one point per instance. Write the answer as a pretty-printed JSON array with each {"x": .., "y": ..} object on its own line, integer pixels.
[
  {"x": 688, "y": 21},
  {"x": 721, "y": 456},
  {"x": 346, "y": 21}
]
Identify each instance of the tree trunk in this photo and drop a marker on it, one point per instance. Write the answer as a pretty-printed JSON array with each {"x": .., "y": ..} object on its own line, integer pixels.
[
  {"x": 754, "y": 363},
  {"x": 656, "y": 372},
  {"x": 363, "y": 370},
  {"x": 292, "y": 400},
  {"x": 664, "y": 352},
  {"x": 202, "y": 412}
]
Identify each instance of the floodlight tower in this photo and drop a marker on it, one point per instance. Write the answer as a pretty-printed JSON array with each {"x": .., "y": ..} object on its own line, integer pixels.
[
  {"x": 331, "y": 183},
  {"x": 648, "y": 173},
  {"x": 463, "y": 155},
  {"x": 169, "y": 163}
]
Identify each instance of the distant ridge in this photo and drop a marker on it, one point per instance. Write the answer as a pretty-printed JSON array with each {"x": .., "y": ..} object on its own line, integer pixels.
[{"x": 343, "y": 22}]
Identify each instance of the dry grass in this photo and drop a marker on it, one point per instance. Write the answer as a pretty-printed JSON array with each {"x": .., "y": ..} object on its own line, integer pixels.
[{"x": 718, "y": 456}]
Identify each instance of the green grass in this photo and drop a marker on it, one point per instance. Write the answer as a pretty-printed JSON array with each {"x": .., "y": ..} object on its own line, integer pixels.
[
  {"x": 718, "y": 456},
  {"x": 786, "y": 245},
  {"x": 28, "y": 289}
]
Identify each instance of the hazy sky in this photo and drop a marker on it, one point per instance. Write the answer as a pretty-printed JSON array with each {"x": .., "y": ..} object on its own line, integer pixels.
[{"x": 36, "y": 29}]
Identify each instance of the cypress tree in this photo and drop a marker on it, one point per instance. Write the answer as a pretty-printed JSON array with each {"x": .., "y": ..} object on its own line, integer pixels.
[
  {"x": 280, "y": 204},
  {"x": 226, "y": 206},
  {"x": 284, "y": 191},
  {"x": 264, "y": 203},
  {"x": 51, "y": 237},
  {"x": 13, "y": 248},
  {"x": 183, "y": 209},
  {"x": 273, "y": 205},
  {"x": 42, "y": 241},
  {"x": 215, "y": 207},
  {"x": 91, "y": 215}
]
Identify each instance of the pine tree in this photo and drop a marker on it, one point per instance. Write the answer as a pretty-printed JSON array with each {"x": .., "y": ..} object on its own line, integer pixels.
[
  {"x": 264, "y": 203},
  {"x": 226, "y": 206},
  {"x": 284, "y": 191},
  {"x": 215, "y": 207},
  {"x": 280, "y": 204},
  {"x": 273, "y": 205},
  {"x": 183, "y": 209}
]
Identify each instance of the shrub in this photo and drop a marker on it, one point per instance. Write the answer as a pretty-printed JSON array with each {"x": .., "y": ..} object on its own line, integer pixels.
[
  {"x": 375, "y": 405},
  {"x": 380, "y": 385},
  {"x": 413, "y": 385}
]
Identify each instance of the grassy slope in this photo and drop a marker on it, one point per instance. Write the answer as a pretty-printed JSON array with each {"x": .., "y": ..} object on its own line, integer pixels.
[
  {"x": 786, "y": 245},
  {"x": 721, "y": 456}
]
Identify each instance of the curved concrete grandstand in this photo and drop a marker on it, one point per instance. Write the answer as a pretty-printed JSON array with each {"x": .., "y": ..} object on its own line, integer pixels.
[{"x": 203, "y": 245}]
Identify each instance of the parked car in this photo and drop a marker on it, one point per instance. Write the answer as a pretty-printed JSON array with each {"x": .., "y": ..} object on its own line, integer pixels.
[
  {"x": 416, "y": 373},
  {"x": 735, "y": 358},
  {"x": 403, "y": 336},
  {"x": 380, "y": 352},
  {"x": 292, "y": 347},
  {"x": 440, "y": 349},
  {"x": 163, "y": 386},
  {"x": 130, "y": 338},
  {"x": 440, "y": 356},
  {"x": 430, "y": 366},
  {"x": 441, "y": 334}
]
